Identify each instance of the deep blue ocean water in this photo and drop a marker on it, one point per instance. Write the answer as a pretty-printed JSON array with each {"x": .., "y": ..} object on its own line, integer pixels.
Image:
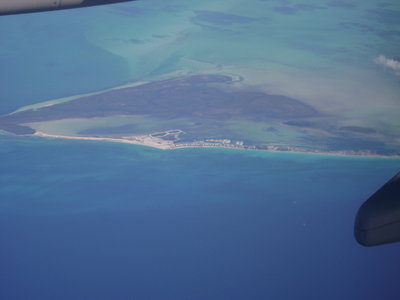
[{"x": 88, "y": 220}]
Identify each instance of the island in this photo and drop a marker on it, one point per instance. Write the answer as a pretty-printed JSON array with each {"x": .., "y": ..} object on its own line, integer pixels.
[{"x": 206, "y": 111}]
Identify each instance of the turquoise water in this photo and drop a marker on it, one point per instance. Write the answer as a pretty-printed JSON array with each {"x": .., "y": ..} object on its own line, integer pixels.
[
  {"x": 47, "y": 57},
  {"x": 95, "y": 220},
  {"x": 321, "y": 52},
  {"x": 59, "y": 177},
  {"x": 91, "y": 220}
]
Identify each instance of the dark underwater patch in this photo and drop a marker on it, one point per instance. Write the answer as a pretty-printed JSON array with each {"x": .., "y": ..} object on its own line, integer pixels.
[
  {"x": 343, "y": 4},
  {"x": 211, "y": 28},
  {"x": 137, "y": 41},
  {"x": 301, "y": 123},
  {"x": 159, "y": 36},
  {"x": 386, "y": 16},
  {"x": 358, "y": 129},
  {"x": 285, "y": 10},
  {"x": 356, "y": 26},
  {"x": 219, "y": 18},
  {"x": 308, "y": 7},
  {"x": 300, "y": 7},
  {"x": 272, "y": 129},
  {"x": 389, "y": 34}
]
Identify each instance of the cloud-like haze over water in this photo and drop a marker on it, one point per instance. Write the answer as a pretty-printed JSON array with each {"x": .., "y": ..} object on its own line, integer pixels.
[{"x": 390, "y": 63}]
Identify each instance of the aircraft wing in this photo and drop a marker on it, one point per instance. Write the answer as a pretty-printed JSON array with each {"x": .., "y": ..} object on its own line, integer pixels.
[{"x": 11, "y": 7}]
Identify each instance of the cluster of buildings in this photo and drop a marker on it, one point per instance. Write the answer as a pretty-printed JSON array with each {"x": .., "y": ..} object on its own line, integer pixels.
[{"x": 225, "y": 143}]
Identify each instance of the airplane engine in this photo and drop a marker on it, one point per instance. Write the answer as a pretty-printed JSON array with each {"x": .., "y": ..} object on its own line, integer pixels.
[
  {"x": 9, "y": 7},
  {"x": 378, "y": 219}
]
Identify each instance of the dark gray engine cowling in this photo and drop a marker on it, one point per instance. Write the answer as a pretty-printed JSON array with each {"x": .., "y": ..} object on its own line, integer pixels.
[
  {"x": 9, "y": 7},
  {"x": 378, "y": 219}
]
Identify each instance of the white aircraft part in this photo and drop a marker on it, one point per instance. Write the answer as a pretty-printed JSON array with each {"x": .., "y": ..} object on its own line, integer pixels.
[
  {"x": 10, "y": 6},
  {"x": 26, "y": 6}
]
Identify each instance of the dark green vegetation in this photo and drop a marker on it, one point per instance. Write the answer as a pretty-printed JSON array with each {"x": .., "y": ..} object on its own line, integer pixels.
[
  {"x": 15, "y": 128},
  {"x": 209, "y": 107},
  {"x": 206, "y": 97}
]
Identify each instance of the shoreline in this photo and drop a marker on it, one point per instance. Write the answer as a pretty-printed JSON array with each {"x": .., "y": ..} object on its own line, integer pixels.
[
  {"x": 158, "y": 143},
  {"x": 52, "y": 102}
]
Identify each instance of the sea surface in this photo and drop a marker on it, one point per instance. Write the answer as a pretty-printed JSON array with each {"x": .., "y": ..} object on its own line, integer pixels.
[
  {"x": 101, "y": 220},
  {"x": 89, "y": 220}
]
